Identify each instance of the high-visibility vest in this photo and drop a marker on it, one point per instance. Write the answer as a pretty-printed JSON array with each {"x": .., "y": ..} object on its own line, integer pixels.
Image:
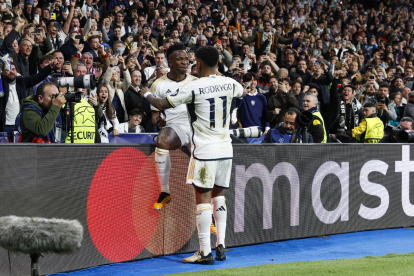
[
  {"x": 319, "y": 115},
  {"x": 374, "y": 131},
  {"x": 84, "y": 124}
]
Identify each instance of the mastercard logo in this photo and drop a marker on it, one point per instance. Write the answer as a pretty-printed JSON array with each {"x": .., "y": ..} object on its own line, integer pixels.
[{"x": 121, "y": 219}]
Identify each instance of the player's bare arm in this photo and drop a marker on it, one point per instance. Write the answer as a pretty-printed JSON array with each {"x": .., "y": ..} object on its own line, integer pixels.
[{"x": 160, "y": 104}]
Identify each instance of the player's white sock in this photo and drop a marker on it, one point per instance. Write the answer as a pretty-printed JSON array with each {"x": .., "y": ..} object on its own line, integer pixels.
[
  {"x": 203, "y": 218},
  {"x": 220, "y": 218},
  {"x": 162, "y": 158}
]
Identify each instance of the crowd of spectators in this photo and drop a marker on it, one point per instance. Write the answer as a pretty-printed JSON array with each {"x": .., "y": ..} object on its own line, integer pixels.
[{"x": 344, "y": 53}]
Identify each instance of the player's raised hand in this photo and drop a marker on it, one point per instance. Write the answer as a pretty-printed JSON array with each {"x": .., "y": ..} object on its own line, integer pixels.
[{"x": 160, "y": 122}]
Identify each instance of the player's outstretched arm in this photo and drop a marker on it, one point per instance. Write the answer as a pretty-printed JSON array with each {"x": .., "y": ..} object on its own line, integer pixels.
[{"x": 161, "y": 104}]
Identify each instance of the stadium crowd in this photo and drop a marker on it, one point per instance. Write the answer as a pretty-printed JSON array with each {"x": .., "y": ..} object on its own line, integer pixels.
[{"x": 349, "y": 63}]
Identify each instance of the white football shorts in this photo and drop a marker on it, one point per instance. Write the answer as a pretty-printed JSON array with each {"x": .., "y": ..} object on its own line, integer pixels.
[{"x": 206, "y": 174}]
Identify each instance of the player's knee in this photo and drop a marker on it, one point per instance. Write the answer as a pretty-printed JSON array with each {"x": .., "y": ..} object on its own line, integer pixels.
[{"x": 163, "y": 142}]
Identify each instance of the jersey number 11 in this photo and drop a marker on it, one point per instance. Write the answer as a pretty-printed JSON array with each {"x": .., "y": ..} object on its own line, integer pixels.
[{"x": 212, "y": 102}]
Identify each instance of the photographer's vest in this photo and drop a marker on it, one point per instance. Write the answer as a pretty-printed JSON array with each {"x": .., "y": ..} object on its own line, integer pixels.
[
  {"x": 277, "y": 137},
  {"x": 84, "y": 124},
  {"x": 374, "y": 131},
  {"x": 319, "y": 115}
]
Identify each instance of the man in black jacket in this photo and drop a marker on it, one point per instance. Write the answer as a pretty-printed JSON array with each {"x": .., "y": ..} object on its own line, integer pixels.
[
  {"x": 15, "y": 90},
  {"x": 344, "y": 114},
  {"x": 317, "y": 127}
]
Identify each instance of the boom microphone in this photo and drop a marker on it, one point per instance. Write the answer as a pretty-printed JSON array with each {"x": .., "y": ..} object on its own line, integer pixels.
[{"x": 39, "y": 235}]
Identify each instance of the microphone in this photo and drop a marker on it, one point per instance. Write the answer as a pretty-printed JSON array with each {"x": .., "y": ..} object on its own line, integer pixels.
[{"x": 40, "y": 235}]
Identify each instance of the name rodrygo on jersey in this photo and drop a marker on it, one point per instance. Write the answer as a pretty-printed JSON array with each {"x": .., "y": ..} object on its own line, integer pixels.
[{"x": 208, "y": 101}]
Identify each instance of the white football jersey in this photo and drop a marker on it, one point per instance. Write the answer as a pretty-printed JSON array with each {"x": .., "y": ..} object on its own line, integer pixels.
[
  {"x": 208, "y": 102},
  {"x": 164, "y": 87}
]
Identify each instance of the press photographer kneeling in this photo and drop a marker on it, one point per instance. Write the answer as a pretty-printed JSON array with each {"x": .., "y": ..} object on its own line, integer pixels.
[{"x": 40, "y": 120}]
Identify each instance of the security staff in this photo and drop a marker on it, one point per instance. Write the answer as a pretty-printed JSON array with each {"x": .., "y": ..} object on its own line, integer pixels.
[
  {"x": 370, "y": 130},
  {"x": 317, "y": 127},
  {"x": 84, "y": 124}
]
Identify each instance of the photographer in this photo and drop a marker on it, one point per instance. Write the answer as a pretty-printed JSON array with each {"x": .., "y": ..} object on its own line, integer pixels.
[
  {"x": 406, "y": 124},
  {"x": 40, "y": 117},
  {"x": 288, "y": 131}
]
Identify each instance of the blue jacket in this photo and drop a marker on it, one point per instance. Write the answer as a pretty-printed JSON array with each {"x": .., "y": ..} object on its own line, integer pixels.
[{"x": 278, "y": 135}]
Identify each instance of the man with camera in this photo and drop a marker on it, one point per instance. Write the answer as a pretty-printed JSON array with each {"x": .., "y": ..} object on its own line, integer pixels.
[
  {"x": 40, "y": 120},
  {"x": 288, "y": 131},
  {"x": 392, "y": 135}
]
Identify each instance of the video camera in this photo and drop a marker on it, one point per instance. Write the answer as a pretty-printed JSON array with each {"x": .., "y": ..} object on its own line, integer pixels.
[
  {"x": 85, "y": 82},
  {"x": 401, "y": 134}
]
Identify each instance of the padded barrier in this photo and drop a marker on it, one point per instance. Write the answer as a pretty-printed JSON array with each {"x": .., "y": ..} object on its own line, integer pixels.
[{"x": 277, "y": 192}]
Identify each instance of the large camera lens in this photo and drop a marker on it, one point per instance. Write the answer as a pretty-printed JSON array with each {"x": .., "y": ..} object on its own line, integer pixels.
[
  {"x": 73, "y": 97},
  {"x": 86, "y": 81}
]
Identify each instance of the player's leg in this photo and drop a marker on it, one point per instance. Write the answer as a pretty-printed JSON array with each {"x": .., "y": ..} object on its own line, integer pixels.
[
  {"x": 201, "y": 177},
  {"x": 220, "y": 218},
  {"x": 167, "y": 140},
  {"x": 223, "y": 174}
]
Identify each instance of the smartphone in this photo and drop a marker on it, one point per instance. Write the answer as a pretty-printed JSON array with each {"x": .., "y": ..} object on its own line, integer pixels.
[
  {"x": 37, "y": 31},
  {"x": 372, "y": 77},
  {"x": 78, "y": 36},
  {"x": 145, "y": 37},
  {"x": 66, "y": 63},
  {"x": 241, "y": 65},
  {"x": 95, "y": 33},
  {"x": 4, "y": 5},
  {"x": 36, "y": 16},
  {"x": 134, "y": 44},
  {"x": 317, "y": 62},
  {"x": 53, "y": 16},
  {"x": 219, "y": 41},
  {"x": 344, "y": 42}
]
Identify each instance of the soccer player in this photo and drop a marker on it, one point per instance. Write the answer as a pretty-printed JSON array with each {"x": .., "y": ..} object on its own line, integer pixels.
[
  {"x": 208, "y": 102},
  {"x": 176, "y": 131}
]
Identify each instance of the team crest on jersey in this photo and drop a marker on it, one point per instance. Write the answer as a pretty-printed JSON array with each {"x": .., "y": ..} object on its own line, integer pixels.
[
  {"x": 253, "y": 103},
  {"x": 281, "y": 140},
  {"x": 169, "y": 92}
]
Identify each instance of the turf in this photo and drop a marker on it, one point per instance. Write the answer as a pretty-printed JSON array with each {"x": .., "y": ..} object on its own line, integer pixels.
[{"x": 390, "y": 264}]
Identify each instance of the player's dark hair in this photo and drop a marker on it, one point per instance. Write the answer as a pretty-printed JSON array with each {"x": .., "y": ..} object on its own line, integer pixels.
[
  {"x": 177, "y": 46},
  {"x": 209, "y": 55}
]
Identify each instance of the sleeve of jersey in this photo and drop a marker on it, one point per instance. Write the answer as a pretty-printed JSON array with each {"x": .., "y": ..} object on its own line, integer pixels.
[
  {"x": 238, "y": 90},
  {"x": 184, "y": 96},
  {"x": 154, "y": 92}
]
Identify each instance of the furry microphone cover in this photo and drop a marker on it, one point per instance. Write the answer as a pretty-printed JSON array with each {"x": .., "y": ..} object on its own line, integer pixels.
[{"x": 40, "y": 235}]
